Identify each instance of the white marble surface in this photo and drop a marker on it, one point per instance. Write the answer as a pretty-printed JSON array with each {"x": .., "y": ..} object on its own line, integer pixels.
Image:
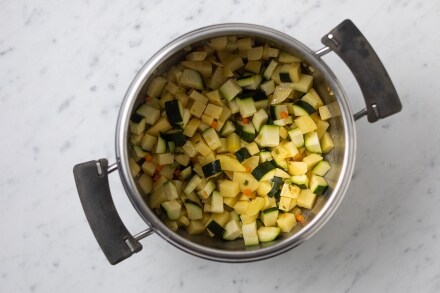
[{"x": 64, "y": 68}]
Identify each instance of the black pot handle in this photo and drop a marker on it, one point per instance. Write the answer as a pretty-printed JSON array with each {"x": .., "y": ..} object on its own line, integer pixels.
[
  {"x": 379, "y": 93},
  {"x": 91, "y": 180}
]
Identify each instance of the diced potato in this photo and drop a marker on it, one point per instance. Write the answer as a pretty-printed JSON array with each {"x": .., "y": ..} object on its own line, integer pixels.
[
  {"x": 306, "y": 199},
  {"x": 228, "y": 188},
  {"x": 286, "y": 222}
]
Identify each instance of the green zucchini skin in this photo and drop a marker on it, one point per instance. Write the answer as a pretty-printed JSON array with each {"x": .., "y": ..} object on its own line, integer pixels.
[
  {"x": 242, "y": 154},
  {"x": 277, "y": 182},
  {"x": 215, "y": 228},
  {"x": 174, "y": 113},
  {"x": 175, "y": 136},
  {"x": 262, "y": 169},
  {"x": 136, "y": 118},
  {"x": 212, "y": 169},
  {"x": 305, "y": 106}
]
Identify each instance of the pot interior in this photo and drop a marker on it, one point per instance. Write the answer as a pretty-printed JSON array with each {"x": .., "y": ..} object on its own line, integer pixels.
[{"x": 341, "y": 157}]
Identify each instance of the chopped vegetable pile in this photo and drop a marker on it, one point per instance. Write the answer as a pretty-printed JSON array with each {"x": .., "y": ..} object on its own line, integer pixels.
[{"x": 230, "y": 142}]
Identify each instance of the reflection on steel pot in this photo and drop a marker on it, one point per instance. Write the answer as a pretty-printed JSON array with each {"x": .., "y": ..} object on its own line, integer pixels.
[{"x": 381, "y": 101}]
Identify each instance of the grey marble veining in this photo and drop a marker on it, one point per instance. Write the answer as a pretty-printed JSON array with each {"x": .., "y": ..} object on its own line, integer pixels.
[{"x": 64, "y": 68}]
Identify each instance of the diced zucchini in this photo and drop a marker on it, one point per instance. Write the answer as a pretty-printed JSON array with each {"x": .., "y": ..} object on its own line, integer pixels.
[
  {"x": 297, "y": 137},
  {"x": 192, "y": 184},
  {"x": 286, "y": 222},
  {"x": 311, "y": 160},
  {"x": 250, "y": 235},
  {"x": 326, "y": 143},
  {"x": 302, "y": 108},
  {"x": 312, "y": 98},
  {"x": 228, "y": 128},
  {"x": 252, "y": 148},
  {"x": 270, "y": 69},
  {"x": 269, "y": 217},
  {"x": 318, "y": 185},
  {"x": 284, "y": 203},
  {"x": 162, "y": 125},
  {"x": 256, "y": 82},
  {"x": 247, "y": 219},
  {"x": 160, "y": 147},
  {"x": 279, "y": 155},
  {"x": 268, "y": 87},
  {"x": 285, "y": 57},
  {"x": 207, "y": 190},
  {"x": 156, "y": 87},
  {"x": 218, "y": 43},
  {"x": 321, "y": 168},
  {"x": 204, "y": 67},
  {"x": 232, "y": 230},
  {"x": 328, "y": 111},
  {"x": 290, "y": 191},
  {"x": 267, "y": 234},
  {"x": 148, "y": 141},
  {"x": 242, "y": 154},
  {"x": 157, "y": 197},
  {"x": 301, "y": 180},
  {"x": 172, "y": 209},
  {"x": 216, "y": 202},
  {"x": 245, "y": 80},
  {"x": 290, "y": 72},
  {"x": 146, "y": 183},
  {"x": 262, "y": 170},
  {"x": 230, "y": 89},
  {"x": 246, "y": 107},
  {"x": 212, "y": 169},
  {"x": 306, "y": 199},
  {"x": 194, "y": 210},
  {"x": 268, "y": 136},
  {"x": 232, "y": 63},
  {"x": 195, "y": 227},
  {"x": 276, "y": 184},
  {"x": 174, "y": 111},
  {"x": 304, "y": 84},
  {"x": 150, "y": 114},
  {"x": 245, "y": 130},
  {"x": 137, "y": 124},
  {"x": 255, "y": 53},
  {"x": 312, "y": 142},
  {"x": 192, "y": 79},
  {"x": 215, "y": 228},
  {"x": 278, "y": 111}
]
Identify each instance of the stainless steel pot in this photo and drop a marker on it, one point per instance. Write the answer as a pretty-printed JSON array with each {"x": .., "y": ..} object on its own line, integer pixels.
[{"x": 381, "y": 101}]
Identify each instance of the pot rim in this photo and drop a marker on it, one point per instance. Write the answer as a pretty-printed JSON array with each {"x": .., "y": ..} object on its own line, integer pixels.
[{"x": 203, "y": 251}]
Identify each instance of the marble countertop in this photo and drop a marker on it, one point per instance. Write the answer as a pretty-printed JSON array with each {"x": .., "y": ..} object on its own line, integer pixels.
[{"x": 64, "y": 69}]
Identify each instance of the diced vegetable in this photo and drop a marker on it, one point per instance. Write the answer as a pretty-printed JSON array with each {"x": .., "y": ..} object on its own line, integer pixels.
[
  {"x": 216, "y": 149},
  {"x": 267, "y": 234}
]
